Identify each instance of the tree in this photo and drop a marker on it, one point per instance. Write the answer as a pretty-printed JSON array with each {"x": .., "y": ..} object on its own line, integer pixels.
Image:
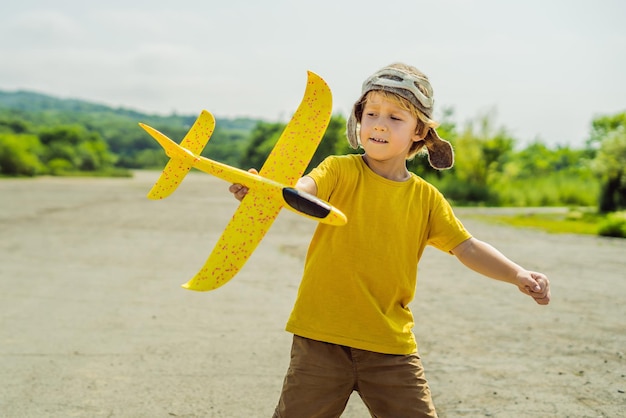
[
  {"x": 480, "y": 155},
  {"x": 12, "y": 124},
  {"x": 19, "y": 155},
  {"x": 262, "y": 139},
  {"x": 334, "y": 142},
  {"x": 226, "y": 144},
  {"x": 73, "y": 148},
  {"x": 610, "y": 164},
  {"x": 603, "y": 125},
  {"x": 265, "y": 135}
]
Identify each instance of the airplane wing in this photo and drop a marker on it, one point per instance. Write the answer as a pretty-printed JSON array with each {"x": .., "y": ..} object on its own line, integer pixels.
[
  {"x": 177, "y": 169},
  {"x": 302, "y": 135},
  {"x": 243, "y": 233},
  {"x": 258, "y": 210}
]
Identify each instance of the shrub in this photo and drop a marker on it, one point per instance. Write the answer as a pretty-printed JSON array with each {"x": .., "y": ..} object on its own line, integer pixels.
[
  {"x": 614, "y": 225},
  {"x": 19, "y": 155}
]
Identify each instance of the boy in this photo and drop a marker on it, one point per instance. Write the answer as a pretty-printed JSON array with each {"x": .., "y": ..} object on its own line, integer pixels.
[{"x": 351, "y": 322}]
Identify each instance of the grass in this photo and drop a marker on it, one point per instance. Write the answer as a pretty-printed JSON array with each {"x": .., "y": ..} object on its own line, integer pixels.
[
  {"x": 108, "y": 172},
  {"x": 552, "y": 223},
  {"x": 556, "y": 189},
  {"x": 576, "y": 221}
]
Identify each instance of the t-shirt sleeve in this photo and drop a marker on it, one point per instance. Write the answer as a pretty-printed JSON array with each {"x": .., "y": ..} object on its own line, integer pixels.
[
  {"x": 325, "y": 175},
  {"x": 446, "y": 230}
]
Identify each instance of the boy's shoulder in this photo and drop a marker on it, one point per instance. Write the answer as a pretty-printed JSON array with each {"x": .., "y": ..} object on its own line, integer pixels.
[
  {"x": 345, "y": 158},
  {"x": 341, "y": 161},
  {"x": 423, "y": 182},
  {"x": 428, "y": 190}
]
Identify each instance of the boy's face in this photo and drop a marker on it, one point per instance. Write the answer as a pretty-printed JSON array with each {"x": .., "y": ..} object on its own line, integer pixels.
[{"x": 387, "y": 129}]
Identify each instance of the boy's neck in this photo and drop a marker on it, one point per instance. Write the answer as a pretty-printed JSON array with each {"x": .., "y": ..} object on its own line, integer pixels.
[{"x": 388, "y": 169}]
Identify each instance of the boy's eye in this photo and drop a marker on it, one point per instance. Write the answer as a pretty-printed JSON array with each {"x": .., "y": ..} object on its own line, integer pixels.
[{"x": 395, "y": 118}]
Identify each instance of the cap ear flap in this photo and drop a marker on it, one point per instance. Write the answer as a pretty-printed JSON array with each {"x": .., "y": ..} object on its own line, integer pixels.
[
  {"x": 440, "y": 152},
  {"x": 352, "y": 127}
]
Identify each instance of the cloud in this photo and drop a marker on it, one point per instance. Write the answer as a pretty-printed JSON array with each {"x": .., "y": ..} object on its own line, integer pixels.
[
  {"x": 41, "y": 28},
  {"x": 547, "y": 67}
]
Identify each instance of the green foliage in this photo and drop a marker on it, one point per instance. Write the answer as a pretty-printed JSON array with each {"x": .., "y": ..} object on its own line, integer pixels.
[
  {"x": 608, "y": 140},
  {"x": 35, "y": 102},
  {"x": 481, "y": 152},
  {"x": 262, "y": 139},
  {"x": 603, "y": 125},
  {"x": 539, "y": 160},
  {"x": 44, "y": 135},
  {"x": 334, "y": 142},
  {"x": 575, "y": 221},
  {"x": 265, "y": 135},
  {"x": 73, "y": 148},
  {"x": 490, "y": 171},
  {"x": 610, "y": 165},
  {"x": 19, "y": 155},
  {"x": 460, "y": 192},
  {"x": 228, "y": 140},
  {"x": 60, "y": 166},
  {"x": 9, "y": 124},
  {"x": 542, "y": 176},
  {"x": 614, "y": 225},
  {"x": 51, "y": 150},
  {"x": 554, "y": 189},
  {"x": 151, "y": 159},
  {"x": 26, "y": 112}
]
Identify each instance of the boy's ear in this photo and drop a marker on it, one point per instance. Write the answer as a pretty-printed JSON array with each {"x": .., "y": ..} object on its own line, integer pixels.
[{"x": 421, "y": 132}]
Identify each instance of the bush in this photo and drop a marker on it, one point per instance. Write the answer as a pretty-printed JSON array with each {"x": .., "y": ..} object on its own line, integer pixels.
[
  {"x": 60, "y": 166},
  {"x": 463, "y": 192},
  {"x": 18, "y": 155},
  {"x": 557, "y": 189},
  {"x": 614, "y": 225}
]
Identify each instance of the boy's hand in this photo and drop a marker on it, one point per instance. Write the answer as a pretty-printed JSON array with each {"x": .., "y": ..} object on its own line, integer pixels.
[
  {"x": 535, "y": 285},
  {"x": 239, "y": 190}
]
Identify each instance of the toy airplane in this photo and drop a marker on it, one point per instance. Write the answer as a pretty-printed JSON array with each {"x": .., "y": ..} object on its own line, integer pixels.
[{"x": 269, "y": 191}]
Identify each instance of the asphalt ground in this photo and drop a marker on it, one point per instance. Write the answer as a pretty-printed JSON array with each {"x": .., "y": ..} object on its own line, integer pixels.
[{"x": 94, "y": 323}]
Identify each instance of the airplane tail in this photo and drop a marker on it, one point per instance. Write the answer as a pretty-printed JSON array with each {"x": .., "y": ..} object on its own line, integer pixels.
[{"x": 180, "y": 161}]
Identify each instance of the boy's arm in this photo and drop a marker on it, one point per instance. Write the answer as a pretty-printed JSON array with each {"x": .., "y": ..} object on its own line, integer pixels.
[{"x": 486, "y": 260}]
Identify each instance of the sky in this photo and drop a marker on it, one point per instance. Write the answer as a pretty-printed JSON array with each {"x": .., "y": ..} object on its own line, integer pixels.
[{"x": 541, "y": 69}]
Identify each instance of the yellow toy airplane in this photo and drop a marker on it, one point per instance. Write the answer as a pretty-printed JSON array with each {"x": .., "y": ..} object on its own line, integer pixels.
[{"x": 269, "y": 191}]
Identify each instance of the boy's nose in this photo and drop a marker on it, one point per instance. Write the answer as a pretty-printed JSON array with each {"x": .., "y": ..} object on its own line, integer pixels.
[{"x": 379, "y": 126}]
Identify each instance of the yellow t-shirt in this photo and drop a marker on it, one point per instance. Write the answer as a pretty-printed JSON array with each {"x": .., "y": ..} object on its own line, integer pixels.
[{"x": 359, "y": 278}]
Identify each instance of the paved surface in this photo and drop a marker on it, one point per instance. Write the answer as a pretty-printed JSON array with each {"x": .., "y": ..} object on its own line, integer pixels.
[{"x": 93, "y": 322}]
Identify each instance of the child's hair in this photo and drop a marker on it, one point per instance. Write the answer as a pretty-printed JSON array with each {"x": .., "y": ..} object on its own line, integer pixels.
[{"x": 411, "y": 89}]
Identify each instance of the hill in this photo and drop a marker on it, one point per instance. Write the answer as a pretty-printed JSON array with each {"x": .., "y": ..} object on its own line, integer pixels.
[
  {"x": 24, "y": 101},
  {"x": 118, "y": 126}
]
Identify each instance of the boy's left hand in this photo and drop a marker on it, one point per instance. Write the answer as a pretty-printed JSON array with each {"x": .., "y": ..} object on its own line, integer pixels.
[{"x": 535, "y": 285}]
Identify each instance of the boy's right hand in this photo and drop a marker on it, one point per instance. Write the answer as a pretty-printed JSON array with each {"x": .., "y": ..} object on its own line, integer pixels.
[{"x": 239, "y": 190}]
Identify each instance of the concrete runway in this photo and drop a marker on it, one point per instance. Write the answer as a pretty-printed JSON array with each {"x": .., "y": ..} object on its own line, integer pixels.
[{"x": 93, "y": 322}]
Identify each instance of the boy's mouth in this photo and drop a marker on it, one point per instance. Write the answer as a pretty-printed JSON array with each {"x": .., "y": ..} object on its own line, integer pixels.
[{"x": 379, "y": 141}]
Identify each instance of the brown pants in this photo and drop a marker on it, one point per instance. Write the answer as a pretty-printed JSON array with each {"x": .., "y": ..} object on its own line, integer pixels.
[{"x": 322, "y": 376}]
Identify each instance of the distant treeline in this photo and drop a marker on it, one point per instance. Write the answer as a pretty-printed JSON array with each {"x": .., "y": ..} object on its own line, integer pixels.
[{"x": 43, "y": 135}]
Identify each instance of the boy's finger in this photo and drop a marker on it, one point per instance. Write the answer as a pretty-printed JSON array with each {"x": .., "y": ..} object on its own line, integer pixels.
[
  {"x": 531, "y": 285},
  {"x": 541, "y": 282},
  {"x": 543, "y": 298}
]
